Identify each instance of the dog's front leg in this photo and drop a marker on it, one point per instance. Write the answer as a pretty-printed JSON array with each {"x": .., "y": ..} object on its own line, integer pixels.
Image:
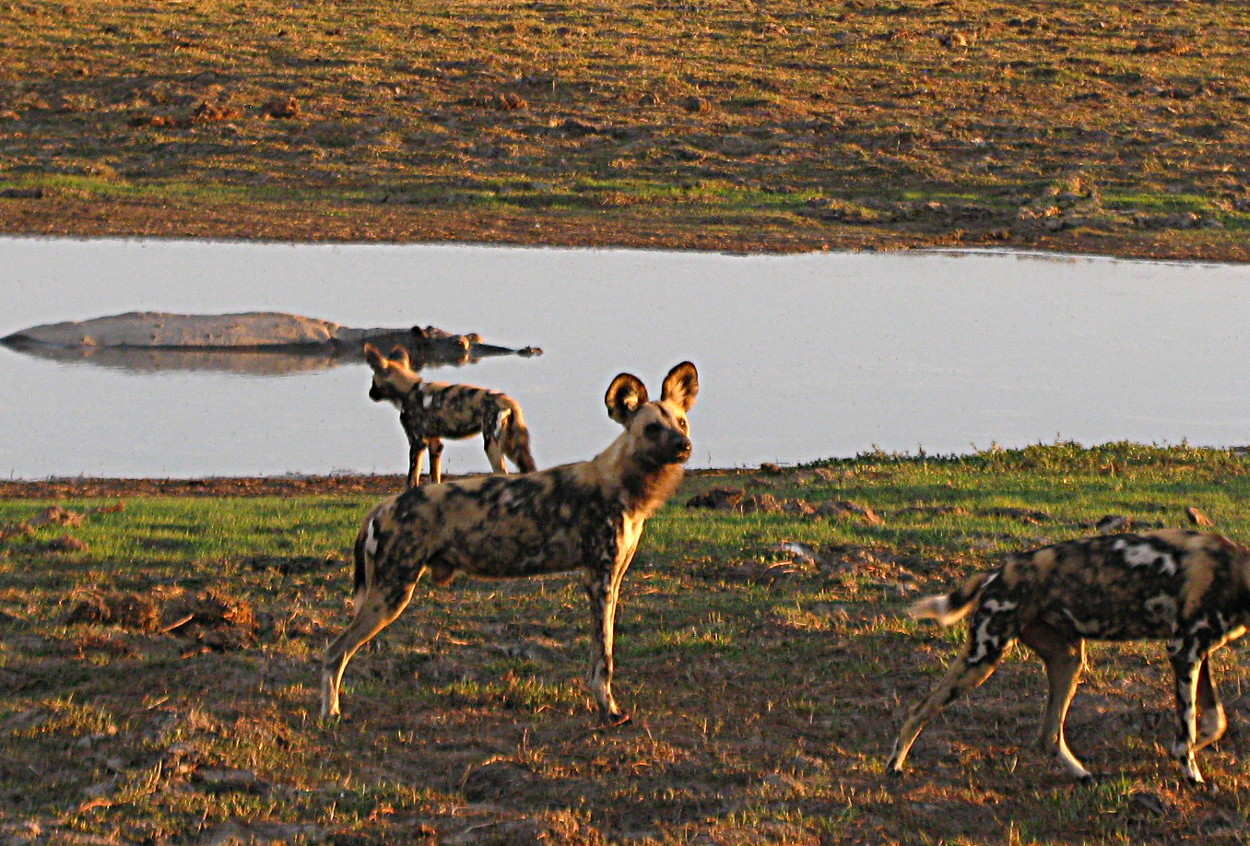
[
  {"x": 435, "y": 446},
  {"x": 416, "y": 456},
  {"x": 1212, "y": 722},
  {"x": 603, "y": 587}
]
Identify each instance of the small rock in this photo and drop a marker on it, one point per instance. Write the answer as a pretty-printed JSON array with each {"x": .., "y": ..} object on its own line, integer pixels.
[
  {"x": 841, "y": 508},
  {"x": 763, "y": 503},
  {"x": 578, "y": 129},
  {"x": 797, "y": 508},
  {"x": 697, "y": 105},
  {"x": 508, "y": 102},
  {"x": 1150, "y": 802},
  {"x": 721, "y": 499},
  {"x": 1198, "y": 518},
  {"x": 1114, "y": 524},
  {"x": 282, "y": 107},
  {"x": 57, "y": 515},
  {"x": 67, "y": 543},
  {"x": 801, "y": 551},
  {"x": 211, "y": 111},
  {"x": 1024, "y": 515}
]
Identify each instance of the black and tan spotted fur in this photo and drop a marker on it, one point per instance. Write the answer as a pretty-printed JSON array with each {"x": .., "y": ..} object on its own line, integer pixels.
[
  {"x": 1190, "y": 589},
  {"x": 586, "y": 516},
  {"x": 431, "y": 411}
]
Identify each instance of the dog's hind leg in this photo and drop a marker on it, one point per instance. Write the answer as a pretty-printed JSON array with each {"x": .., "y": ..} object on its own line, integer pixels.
[
  {"x": 1064, "y": 658},
  {"x": 494, "y": 453},
  {"x": 376, "y": 609},
  {"x": 516, "y": 445},
  {"x": 973, "y": 666},
  {"x": 1212, "y": 722}
]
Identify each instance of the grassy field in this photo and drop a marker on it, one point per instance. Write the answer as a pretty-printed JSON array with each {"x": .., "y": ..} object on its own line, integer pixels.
[
  {"x": 157, "y": 664},
  {"x": 1112, "y": 126}
]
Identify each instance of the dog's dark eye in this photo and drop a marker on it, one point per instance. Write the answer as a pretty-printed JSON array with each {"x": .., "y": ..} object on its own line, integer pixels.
[{"x": 653, "y": 430}]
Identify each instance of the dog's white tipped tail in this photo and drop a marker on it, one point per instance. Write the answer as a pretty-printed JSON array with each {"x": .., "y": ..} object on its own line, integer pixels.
[{"x": 938, "y": 608}]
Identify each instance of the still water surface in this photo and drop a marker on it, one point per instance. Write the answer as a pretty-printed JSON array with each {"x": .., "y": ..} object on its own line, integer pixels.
[{"x": 801, "y": 357}]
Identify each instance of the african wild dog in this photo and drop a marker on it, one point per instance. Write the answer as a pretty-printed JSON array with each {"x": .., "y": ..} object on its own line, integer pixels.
[
  {"x": 586, "y": 516},
  {"x": 431, "y": 411},
  {"x": 1189, "y": 588}
]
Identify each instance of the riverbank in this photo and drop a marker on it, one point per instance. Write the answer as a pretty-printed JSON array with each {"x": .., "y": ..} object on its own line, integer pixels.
[
  {"x": 1106, "y": 128},
  {"x": 331, "y": 221}
]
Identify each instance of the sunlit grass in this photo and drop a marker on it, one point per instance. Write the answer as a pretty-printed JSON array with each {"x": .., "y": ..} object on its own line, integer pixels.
[{"x": 765, "y": 689}]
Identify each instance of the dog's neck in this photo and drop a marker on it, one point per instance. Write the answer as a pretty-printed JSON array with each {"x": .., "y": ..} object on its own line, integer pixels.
[
  {"x": 413, "y": 387},
  {"x": 642, "y": 486}
]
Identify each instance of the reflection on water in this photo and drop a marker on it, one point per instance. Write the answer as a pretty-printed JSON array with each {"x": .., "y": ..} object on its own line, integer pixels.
[
  {"x": 252, "y": 343},
  {"x": 801, "y": 357},
  {"x": 242, "y": 362},
  {"x": 138, "y": 360}
]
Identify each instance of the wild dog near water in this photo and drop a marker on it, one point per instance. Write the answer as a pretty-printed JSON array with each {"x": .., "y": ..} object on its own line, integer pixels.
[
  {"x": 431, "y": 411},
  {"x": 587, "y": 516},
  {"x": 1188, "y": 588}
]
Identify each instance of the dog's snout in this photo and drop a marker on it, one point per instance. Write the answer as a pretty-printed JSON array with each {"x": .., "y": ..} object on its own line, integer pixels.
[{"x": 681, "y": 446}]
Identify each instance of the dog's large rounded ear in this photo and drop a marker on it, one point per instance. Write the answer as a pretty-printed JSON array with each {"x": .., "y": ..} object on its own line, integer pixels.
[
  {"x": 625, "y": 395},
  {"x": 374, "y": 356},
  {"x": 399, "y": 355},
  {"x": 681, "y": 385}
]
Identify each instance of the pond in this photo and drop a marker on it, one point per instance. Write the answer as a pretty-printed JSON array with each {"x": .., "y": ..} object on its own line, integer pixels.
[{"x": 802, "y": 357}]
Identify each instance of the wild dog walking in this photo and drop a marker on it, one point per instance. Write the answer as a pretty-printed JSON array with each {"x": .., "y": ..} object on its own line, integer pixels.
[
  {"x": 431, "y": 411},
  {"x": 1190, "y": 589},
  {"x": 586, "y": 516}
]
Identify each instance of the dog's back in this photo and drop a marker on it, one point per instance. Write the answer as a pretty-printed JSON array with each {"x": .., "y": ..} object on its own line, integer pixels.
[{"x": 1107, "y": 587}]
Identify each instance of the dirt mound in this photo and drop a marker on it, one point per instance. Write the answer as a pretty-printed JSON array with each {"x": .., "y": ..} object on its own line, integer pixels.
[{"x": 212, "y": 618}]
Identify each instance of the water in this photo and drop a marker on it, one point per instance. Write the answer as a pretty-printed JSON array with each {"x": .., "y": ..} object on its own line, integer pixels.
[{"x": 801, "y": 357}]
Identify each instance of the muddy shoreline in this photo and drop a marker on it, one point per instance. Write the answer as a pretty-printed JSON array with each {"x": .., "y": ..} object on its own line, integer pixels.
[
  {"x": 281, "y": 486},
  {"x": 227, "y": 486},
  {"x": 53, "y": 215}
]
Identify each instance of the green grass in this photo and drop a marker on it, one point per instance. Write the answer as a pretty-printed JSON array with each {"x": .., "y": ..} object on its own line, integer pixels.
[{"x": 765, "y": 689}]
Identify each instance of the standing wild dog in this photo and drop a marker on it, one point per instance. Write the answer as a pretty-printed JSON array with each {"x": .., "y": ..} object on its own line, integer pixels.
[
  {"x": 586, "y": 516},
  {"x": 1191, "y": 589},
  {"x": 431, "y": 411}
]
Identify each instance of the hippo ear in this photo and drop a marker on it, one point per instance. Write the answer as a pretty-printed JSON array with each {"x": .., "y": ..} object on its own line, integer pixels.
[
  {"x": 625, "y": 396},
  {"x": 399, "y": 355},
  {"x": 681, "y": 386},
  {"x": 374, "y": 356}
]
